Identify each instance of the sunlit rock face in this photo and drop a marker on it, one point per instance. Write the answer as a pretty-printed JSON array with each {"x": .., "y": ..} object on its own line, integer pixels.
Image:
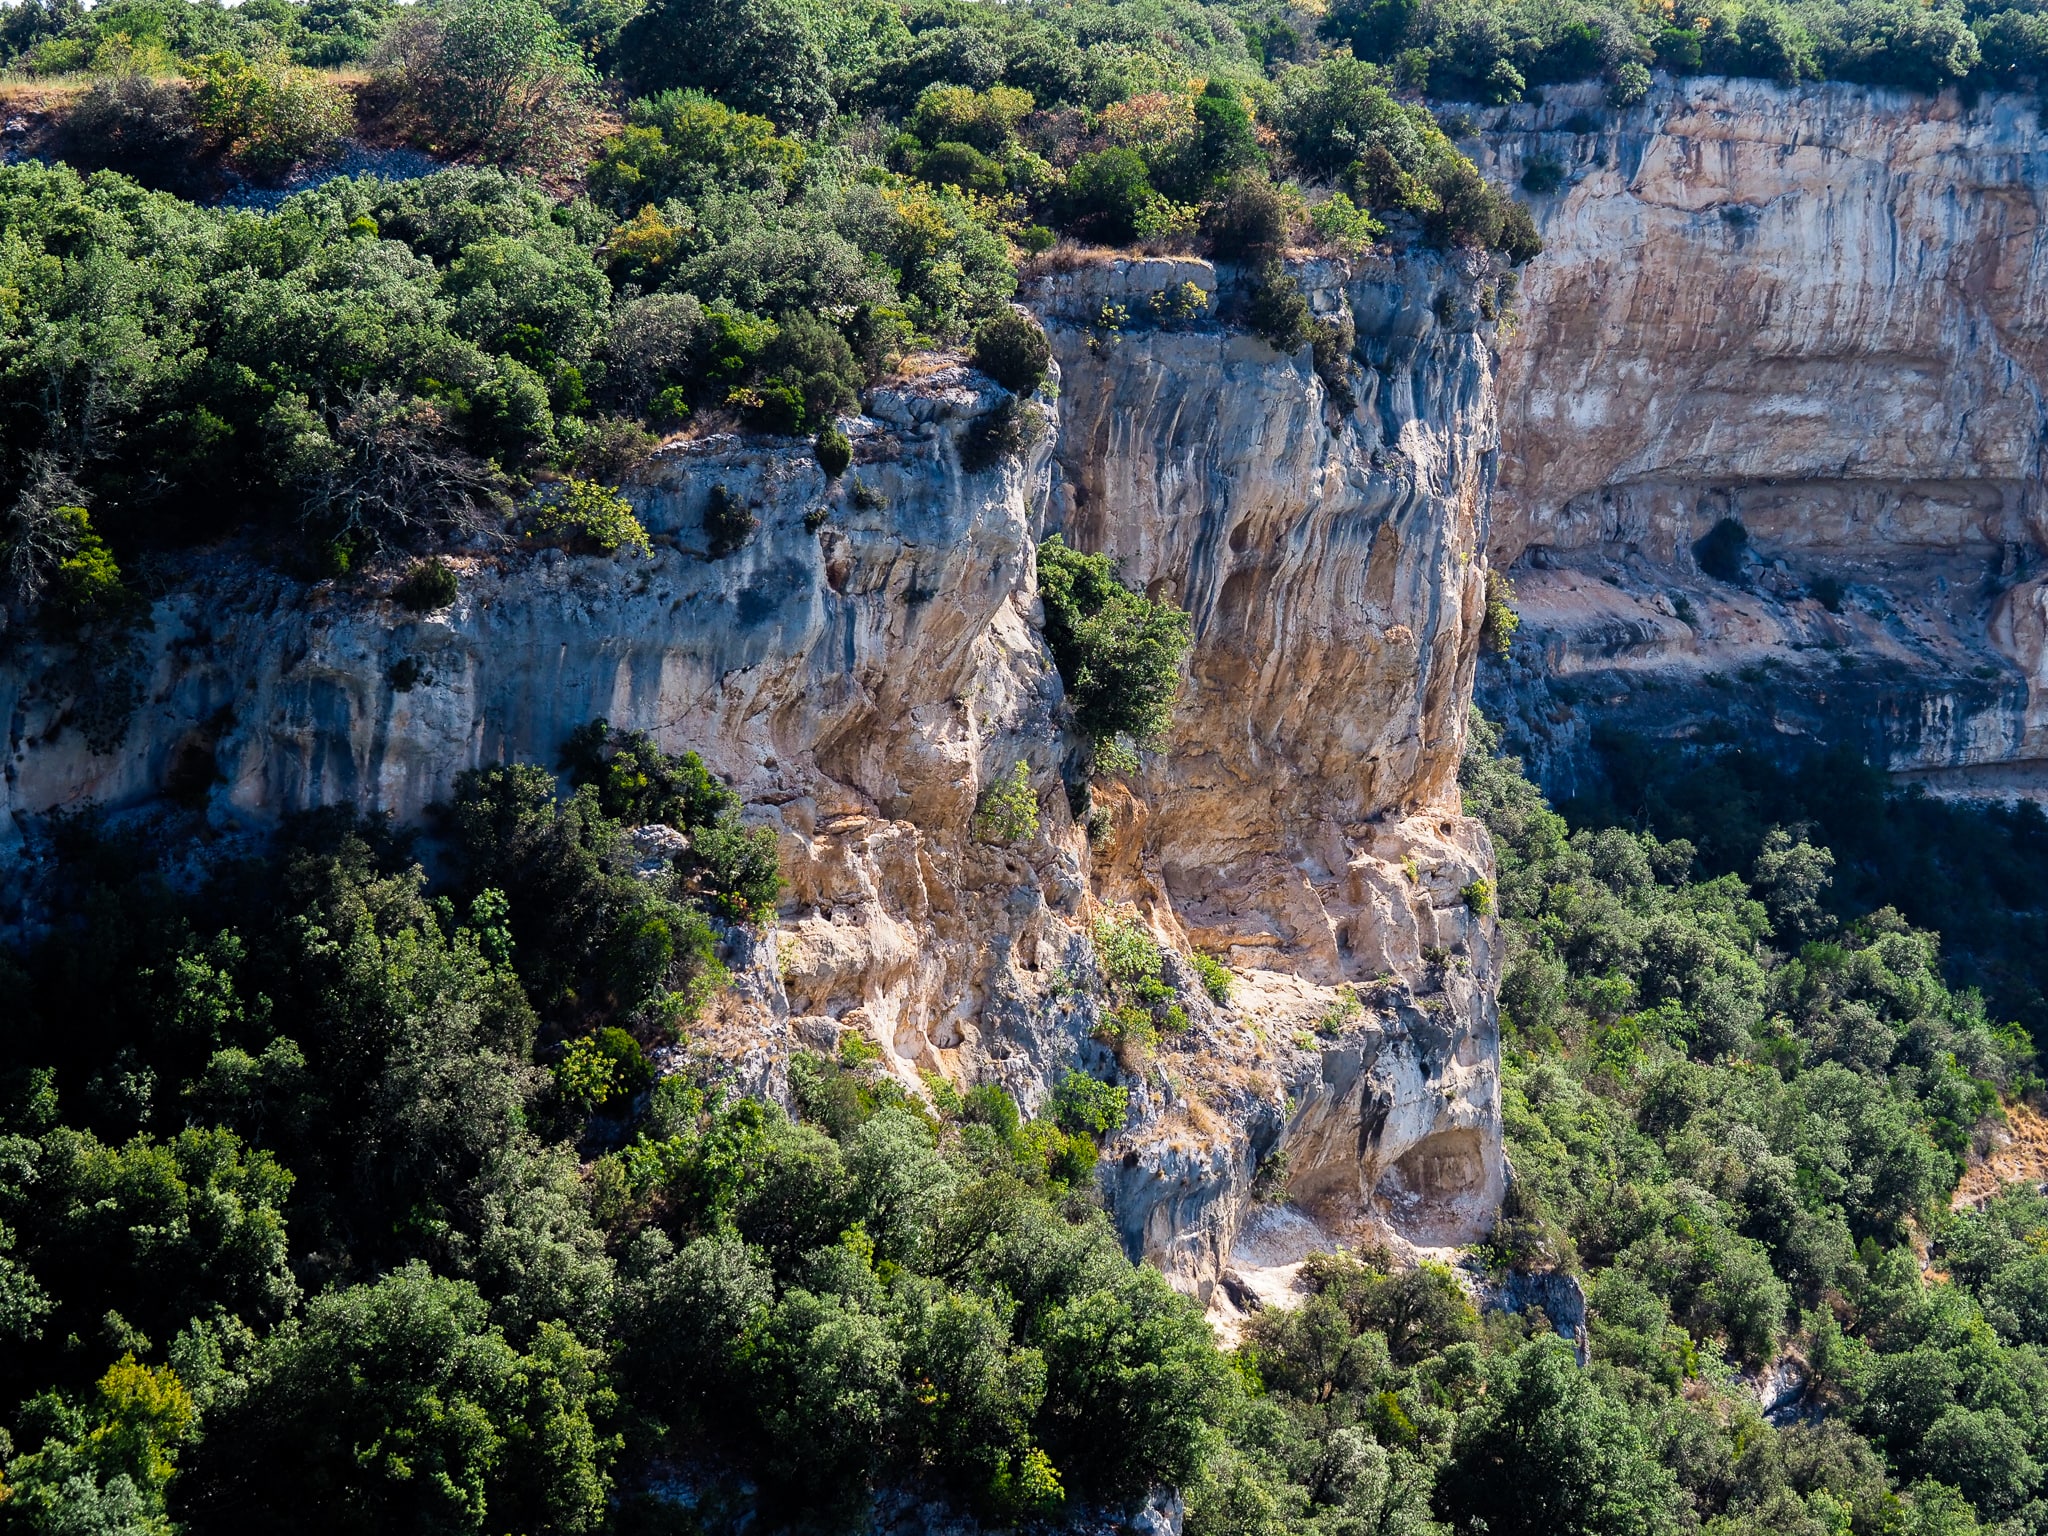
[
  {"x": 869, "y": 660},
  {"x": 1821, "y": 312}
]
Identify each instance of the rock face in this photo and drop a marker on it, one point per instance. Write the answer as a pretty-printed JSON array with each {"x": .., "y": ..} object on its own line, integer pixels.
[
  {"x": 1822, "y": 312},
  {"x": 868, "y": 661}
]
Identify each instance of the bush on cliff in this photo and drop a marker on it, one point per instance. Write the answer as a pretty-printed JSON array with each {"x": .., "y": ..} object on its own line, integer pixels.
[{"x": 1119, "y": 653}]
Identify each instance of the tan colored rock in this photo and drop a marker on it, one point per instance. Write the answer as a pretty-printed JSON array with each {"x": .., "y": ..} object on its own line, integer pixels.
[
  {"x": 1822, "y": 311},
  {"x": 863, "y": 679}
]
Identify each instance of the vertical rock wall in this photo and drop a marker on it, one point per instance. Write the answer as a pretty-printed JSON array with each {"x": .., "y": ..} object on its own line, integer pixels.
[
  {"x": 869, "y": 661},
  {"x": 1822, "y": 312}
]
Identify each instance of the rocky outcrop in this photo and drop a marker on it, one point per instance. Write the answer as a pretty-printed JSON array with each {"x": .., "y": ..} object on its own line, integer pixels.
[
  {"x": 1822, "y": 312},
  {"x": 869, "y": 660},
  {"x": 1303, "y": 821}
]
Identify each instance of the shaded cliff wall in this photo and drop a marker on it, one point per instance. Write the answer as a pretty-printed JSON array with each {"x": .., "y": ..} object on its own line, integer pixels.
[
  {"x": 867, "y": 663},
  {"x": 1821, "y": 311}
]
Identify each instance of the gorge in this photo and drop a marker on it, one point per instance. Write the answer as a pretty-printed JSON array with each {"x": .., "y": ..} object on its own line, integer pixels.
[{"x": 1816, "y": 311}]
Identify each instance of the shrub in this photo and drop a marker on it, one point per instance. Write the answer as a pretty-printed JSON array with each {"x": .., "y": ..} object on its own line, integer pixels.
[
  {"x": 428, "y": 585},
  {"x": 1182, "y": 304},
  {"x": 1008, "y": 809},
  {"x": 1250, "y": 218},
  {"x": 1007, "y": 430},
  {"x": 1108, "y": 193},
  {"x": 1518, "y": 240},
  {"x": 1631, "y": 83},
  {"x": 1084, "y": 1106},
  {"x": 1277, "y": 309},
  {"x": 1542, "y": 175},
  {"x": 1828, "y": 591},
  {"x": 834, "y": 452},
  {"x": 1332, "y": 343},
  {"x": 135, "y": 125},
  {"x": 598, "y": 1068},
  {"x": 85, "y": 583},
  {"x": 581, "y": 512},
  {"x": 810, "y": 374},
  {"x": 742, "y": 870},
  {"x": 1011, "y": 349},
  {"x": 1469, "y": 211},
  {"x": 495, "y": 77},
  {"x": 1478, "y": 897},
  {"x": 268, "y": 115},
  {"x": 1720, "y": 549},
  {"x": 757, "y": 56},
  {"x": 1216, "y": 977},
  {"x": 1119, "y": 653},
  {"x": 728, "y": 522},
  {"x": 1497, "y": 632},
  {"x": 1342, "y": 223}
]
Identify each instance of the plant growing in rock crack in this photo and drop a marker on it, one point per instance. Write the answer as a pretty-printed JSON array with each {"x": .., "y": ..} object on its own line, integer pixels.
[
  {"x": 1142, "y": 1003},
  {"x": 1497, "y": 633},
  {"x": 1343, "y": 1011},
  {"x": 1119, "y": 653},
  {"x": 1008, "y": 809},
  {"x": 1216, "y": 977}
]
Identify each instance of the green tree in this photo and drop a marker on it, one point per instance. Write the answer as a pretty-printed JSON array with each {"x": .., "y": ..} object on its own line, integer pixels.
[
  {"x": 756, "y": 56},
  {"x": 1119, "y": 653},
  {"x": 1546, "y": 1453},
  {"x": 398, "y": 1406}
]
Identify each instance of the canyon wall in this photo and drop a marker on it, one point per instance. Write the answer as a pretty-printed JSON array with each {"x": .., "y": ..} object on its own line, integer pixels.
[
  {"x": 869, "y": 660},
  {"x": 1821, "y": 312}
]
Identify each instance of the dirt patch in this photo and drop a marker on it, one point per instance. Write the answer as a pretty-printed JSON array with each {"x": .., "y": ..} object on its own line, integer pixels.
[{"x": 2019, "y": 1155}]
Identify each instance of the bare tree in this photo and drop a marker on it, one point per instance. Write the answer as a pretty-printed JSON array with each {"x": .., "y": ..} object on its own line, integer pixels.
[
  {"x": 42, "y": 528},
  {"x": 395, "y": 471}
]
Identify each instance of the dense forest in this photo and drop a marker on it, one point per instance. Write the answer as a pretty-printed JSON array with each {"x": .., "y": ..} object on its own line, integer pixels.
[
  {"x": 339, "y": 1196},
  {"x": 736, "y": 214},
  {"x": 335, "y": 1198},
  {"x": 689, "y": 212}
]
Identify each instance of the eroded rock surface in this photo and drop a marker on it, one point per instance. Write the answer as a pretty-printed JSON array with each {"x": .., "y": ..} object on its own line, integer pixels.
[
  {"x": 1823, "y": 312},
  {"x": 869, "y": 660}
]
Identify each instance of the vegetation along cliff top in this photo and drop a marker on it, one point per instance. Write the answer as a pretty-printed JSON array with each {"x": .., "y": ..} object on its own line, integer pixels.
[{"x": 670, "y": 871}]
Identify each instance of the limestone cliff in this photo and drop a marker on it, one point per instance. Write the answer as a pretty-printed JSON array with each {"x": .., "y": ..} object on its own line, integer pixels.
[
  {"x": 1820, "y": 311},
  {"x": 869, "y": 660}
]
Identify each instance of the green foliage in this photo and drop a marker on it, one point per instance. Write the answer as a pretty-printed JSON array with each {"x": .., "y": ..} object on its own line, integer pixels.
[
  {"x": 728, "y": 522},
  {"x": 733, "y": 868},
  {"x": 1139, "y": 1001},
  {"x": 1277, "y": 309},
  {"x": 583, "y": 513},
  {"x": 834, "y": 452},
  {"x": 1216, "y": 977},
  {"x": 1108, "y": 194},
  {"x": 105, "y": 1463},
  {"x": 400, "y": 1404},
  {"x": 1087, "y": 1106},
  {"x": 1498, "y": 53},
  {"x": 1546, "y": 1451},
  {"x": 495, "y": 77},
  {"x": 596, "y": 1069},
  {"x": 1011, "y": 349},
  {"x": 684, "y": 144},
  {"x": 428, "y": 585},
  {"x": 1497, "y": 631},
  {"x": 267, "y": 114},
  {"x": 137, "y": 38},
  {"x": 757, "y": 56},
  {"x": 1340, "y": 222},
  {"x": 1007, "y": 811},
  {"x": 1119, "y": 653}
]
